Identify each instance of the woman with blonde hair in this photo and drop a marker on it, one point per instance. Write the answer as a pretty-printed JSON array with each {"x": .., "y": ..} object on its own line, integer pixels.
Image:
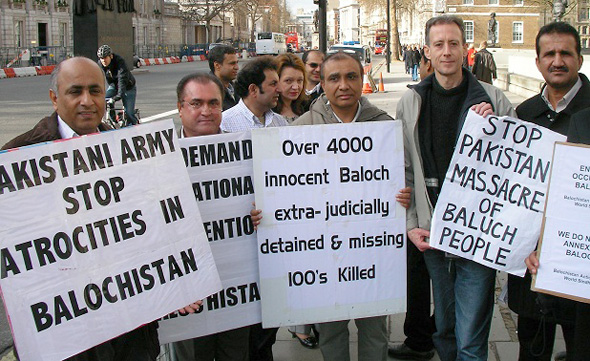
[{"x": 292, "y": 82}]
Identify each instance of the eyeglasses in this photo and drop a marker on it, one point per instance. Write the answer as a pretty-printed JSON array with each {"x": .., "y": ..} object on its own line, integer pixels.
[
  {"x": 313, "y": 65},
  {"x": 213, "y": 105}
]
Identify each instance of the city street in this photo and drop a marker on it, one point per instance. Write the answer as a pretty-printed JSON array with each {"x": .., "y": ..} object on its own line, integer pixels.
[{"x": 24, "y": 101}]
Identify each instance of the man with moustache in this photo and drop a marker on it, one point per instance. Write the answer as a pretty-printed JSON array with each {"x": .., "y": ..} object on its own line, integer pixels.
[
  {"x": 223, "y": 62},
  {"x": 566, "y": 92}
]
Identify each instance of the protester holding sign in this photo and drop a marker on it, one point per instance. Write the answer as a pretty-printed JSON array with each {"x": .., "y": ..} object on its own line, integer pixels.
[
  {"x": 258, "y": 87},
  {"x": 341, "y": 78},
  {"x": 565, "y": 93},
  {"x": 77, "y": 91},
  {"x": 200, "y": 100},
  {"x": 433, "y": 113}
]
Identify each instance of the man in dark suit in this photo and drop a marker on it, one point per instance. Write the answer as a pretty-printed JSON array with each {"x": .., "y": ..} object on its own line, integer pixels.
[{"x": 565, "y": 93}]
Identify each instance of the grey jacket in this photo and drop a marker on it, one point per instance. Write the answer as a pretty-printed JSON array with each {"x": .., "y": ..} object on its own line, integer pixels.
[
  {"x": 419, "y": 215},
  {"x": 321, "y": 113}
]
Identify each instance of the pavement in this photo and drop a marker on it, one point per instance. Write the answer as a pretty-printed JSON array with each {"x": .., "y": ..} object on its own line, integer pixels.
[{"x": 503, "y": 341}]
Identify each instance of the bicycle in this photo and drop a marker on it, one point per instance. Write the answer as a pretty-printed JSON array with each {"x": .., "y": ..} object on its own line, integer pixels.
[{"x": 116, "y": 118}]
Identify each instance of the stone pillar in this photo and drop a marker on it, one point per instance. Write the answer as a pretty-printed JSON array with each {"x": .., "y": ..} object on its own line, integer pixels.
[{"x": 104, "y": 25}]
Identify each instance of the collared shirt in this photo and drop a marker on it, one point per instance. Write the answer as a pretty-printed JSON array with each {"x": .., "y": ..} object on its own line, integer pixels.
[
  {"x": 64, "y": 129},
  {"x": 240, "y": 118},
  {"x": 230, "y": 90},
  {"x": 314, "y": 90},
  {"x": 565, "y": 101},
  {"x": 356, "y": 116}
]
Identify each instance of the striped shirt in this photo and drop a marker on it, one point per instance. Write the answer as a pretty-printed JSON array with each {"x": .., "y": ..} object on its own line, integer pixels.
[{"x": 239, "y": 118}]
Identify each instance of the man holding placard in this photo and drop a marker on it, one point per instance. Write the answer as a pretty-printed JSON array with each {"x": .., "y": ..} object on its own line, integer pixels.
[
  {"x": 565, "y": 93},
  {"x": 200, "y": 102},
  {"x": 77, "y": 91},
  {"x": 341, "y": 78},
  {"x": 258, "y": 87},
  {"x": 433, "y": 113}
]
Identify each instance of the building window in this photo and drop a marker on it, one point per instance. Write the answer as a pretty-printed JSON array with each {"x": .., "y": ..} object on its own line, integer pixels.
[
  {"x": 18, "y": 34},
  {"x": 517, "y": 32},
  {"x": 468, "y": 30},
  {"x": 145, "y": 35},
  {"x": 467, "y": 2},
  {"x": 493, "y": 2},
  {"x": 63, "y": 34},
  {"x": 518, "y": 2}
]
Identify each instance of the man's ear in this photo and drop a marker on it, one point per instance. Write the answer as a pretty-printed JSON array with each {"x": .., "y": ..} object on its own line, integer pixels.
[
  {"x": 216, "y": 66},
  {"x": 53, "y": 98},
  {"x": 252, "y": 89}
]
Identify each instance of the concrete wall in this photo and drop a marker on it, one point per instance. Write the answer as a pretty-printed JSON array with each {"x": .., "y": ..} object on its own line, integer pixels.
[{"x": 519, "y": 74}]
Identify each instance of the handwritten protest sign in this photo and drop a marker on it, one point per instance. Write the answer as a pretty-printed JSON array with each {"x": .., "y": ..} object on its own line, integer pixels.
[
  {"x": 565, "y": 242},
  {"x": 220, "y": 169},
  {"x": 491, "y": 203},
  {"x": 100, "y": 234},
  {"x": 331, "y": 245}
]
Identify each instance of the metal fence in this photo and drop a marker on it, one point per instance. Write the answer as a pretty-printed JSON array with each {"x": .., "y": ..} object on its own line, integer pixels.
[
  {"x": 51, "y": 55},
  {"x": 162, "y": 51},
  {"x": 41, "y": 55}
]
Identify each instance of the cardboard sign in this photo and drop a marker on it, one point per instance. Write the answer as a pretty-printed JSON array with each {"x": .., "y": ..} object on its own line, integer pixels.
[
  {"x": 100, "y": 234},
  {"x": 491, "y": 204},
  {"x": 220, "y": 169},
  {"x": 564, "y": 251},
  {"x": 331, "y": 245}
]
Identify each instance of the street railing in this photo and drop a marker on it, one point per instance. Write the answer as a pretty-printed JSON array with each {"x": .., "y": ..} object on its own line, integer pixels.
[{"x": 41, "y": 55}]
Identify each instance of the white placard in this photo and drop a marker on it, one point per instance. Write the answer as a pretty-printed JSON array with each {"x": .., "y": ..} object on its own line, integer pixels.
[
  {"x": 331, "y": 245},
  {"x": 490, "y": 207},
  {"x": 100, "y": 234},
  {"x": 220, "y": 169},
  {"x": 565, "y": 242}
]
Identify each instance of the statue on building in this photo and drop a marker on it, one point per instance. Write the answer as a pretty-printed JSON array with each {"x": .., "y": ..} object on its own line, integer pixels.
[
  {"x": 492, "y": 26},
  {"x": 559, "y": 9}
]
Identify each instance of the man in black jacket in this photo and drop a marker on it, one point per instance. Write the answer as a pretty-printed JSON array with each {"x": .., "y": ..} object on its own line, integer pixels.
[
  {"x": 484, "y": 66},
  {"x": 121, "y": 81},
  {"x": 565, "y": 93},
  {"x": 223, "y": 62}
]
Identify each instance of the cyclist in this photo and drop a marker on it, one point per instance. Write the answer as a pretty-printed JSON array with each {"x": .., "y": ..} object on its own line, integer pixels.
[{"x": 120, "y": 80}]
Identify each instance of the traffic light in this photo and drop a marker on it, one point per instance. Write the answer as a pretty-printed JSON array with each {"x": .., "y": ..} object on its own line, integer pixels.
[{"x": 316, "y": 2}]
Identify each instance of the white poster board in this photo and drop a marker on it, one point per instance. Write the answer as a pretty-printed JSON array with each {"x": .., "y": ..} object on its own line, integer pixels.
[
  {"x": 220, "y": 169},
  {"x": 100, "y": 234},
  {"x": 331, "y": 245},
  {"x": 490, "y": 207},
  {"x": 565, "y": 243}
]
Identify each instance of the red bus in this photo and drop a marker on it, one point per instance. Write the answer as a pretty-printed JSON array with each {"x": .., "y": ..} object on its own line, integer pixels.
[
  {"x": 292, "y": 38},
  {"x": 380, "y": 40}
]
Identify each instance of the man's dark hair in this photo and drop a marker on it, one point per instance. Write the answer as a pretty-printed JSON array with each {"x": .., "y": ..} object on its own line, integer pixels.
[
  {"x": 340, "y": 55},
  {"x": 441, "y": 20},
  {"x": 558, "y": 27},
  {"x": 307, "y": 52},
  {"x": 201, "y": 78},
  {"x": 253, "y": 73},
  {"x": 217, "y": 54}
]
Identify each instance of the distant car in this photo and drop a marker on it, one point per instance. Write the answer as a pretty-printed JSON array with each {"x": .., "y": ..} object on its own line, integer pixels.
[{"x": 378, "y": 50}]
